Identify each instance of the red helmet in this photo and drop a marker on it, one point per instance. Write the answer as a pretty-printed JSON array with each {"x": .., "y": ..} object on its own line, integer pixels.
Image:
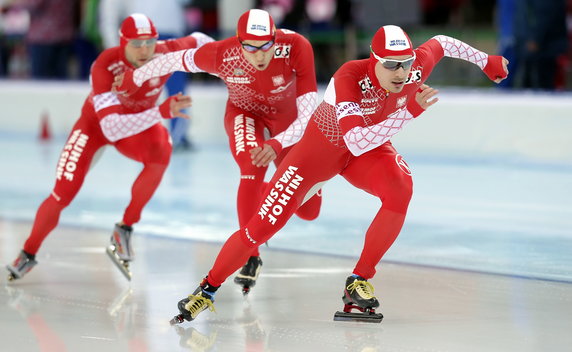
[
  {"x": 255, "y": 25},
  {"x": 136, "y": 26},
  {"x": 391, "y": 41}
]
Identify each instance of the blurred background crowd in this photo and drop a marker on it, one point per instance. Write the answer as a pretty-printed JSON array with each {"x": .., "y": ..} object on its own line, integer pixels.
[{"x": 59, "y": 39}]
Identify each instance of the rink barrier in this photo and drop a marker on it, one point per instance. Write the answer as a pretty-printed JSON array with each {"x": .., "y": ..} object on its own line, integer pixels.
[{"x": 464, "y": 123}]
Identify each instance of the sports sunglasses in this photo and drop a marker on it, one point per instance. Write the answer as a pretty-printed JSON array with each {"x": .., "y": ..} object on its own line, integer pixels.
[
  {"x": 252, "y": 48},
  {"x": 392, "y": 64},
  {"x": 138, "y": 43}
]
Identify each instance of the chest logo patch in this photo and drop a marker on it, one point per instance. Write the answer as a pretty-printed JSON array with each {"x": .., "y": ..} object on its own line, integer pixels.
[
  {"x": 278, "y": 80},
  {"x": 238, "y": 71},
  {"x": 414, "y": 76},
  {"x": 282, "y": 51},
  {"x": 365, "y": 84}
]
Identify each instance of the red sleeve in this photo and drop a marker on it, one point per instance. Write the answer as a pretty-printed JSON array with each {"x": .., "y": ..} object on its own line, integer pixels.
[
  {"x": 101, "y": 77},
  {"x": 348, "y": 96},
  {"x": 206, "y": 57},
  {"x": 413, "y": 106},
  {"x": 187, "y": 42},
  {"x": 101, "y": 81},
  {"x": 303, "y": 63},
  {"x": 428, "y": 55}
]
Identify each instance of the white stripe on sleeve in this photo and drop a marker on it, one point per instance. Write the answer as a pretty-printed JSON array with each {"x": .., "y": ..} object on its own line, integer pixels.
[
  {"x": 363, "y": 139},
  {"x": 118, "y": 126},
  {"x": 306, "y": 104}
]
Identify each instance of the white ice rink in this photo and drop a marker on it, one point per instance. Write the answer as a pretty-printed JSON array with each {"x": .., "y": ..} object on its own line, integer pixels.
[{"x": 484, "y": 262}]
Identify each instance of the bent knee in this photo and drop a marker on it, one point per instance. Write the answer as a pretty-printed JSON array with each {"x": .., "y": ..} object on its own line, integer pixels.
[
  {"x": 397, "y": 194},
  {"x": 248, "y": 239}
]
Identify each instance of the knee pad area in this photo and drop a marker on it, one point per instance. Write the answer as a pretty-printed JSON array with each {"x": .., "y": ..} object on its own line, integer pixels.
[
  {"x": 395, "y": 192},
  {"x": 247, "y": 238}
]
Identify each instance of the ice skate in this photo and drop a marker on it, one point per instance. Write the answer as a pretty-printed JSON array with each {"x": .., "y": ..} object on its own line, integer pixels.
[
  {"x": 21, "y": 266},
  {"x": 193, "y": 305},
  {"x": 358, "y": 295},
  {"x": 120, "y": 250},
  {"x": 249, "y": 274}
]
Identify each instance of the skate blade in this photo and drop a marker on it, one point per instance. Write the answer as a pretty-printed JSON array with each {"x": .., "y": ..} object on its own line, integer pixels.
[
  {"x": 365, "y": 317},
  {"x": 247, "y": 284},
  {"x": 177, "y": 319},
  {"x": 118, "y": 263},
  {"x": 11, "y": 275},
  {"x": 245, "y": 290}
]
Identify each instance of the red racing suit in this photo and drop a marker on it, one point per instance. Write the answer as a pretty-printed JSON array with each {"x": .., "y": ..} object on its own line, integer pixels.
[
  {"x": 132, "y": 124},
  {"x": 280, "y": 100},
  {"x": 349, "y": 135}
]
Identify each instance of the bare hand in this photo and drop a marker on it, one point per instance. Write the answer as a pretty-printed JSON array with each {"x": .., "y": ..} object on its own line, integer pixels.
[
  {"x": 178, "y": 104},
  {"x": 262, "y": 156},
  {"x": 426, "y": 97}
]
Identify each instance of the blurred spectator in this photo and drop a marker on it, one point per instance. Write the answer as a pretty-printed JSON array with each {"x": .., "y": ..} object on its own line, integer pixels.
[
  {"x": 328, "y": 24},
  {"x": 278, "y": 9},
  {"x": 111, "y": 14},
  {"x": 14, "y": 24},
  {"x": 507, "y": 46},
  {"x": 441, "y": 11},
  {"x": 541, "y": 39},
  {"x": 169, "y": 19},
  {"x": 50, "y": 36},
  {"x": 88, "y": 43}
]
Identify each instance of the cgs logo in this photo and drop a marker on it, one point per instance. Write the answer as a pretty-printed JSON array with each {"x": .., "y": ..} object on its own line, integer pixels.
[
  {"x": 414, "y": 76},
  {"x": 282, "y": 51},
  {"x": 365, "y": 84}
]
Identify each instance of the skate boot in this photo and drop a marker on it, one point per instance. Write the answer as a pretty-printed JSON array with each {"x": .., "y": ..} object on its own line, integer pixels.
[
  {"x": 120, "y": 250},
  {"x": 21, "y": 266},
  {"x": 248, "y": 274},
  {"x": 358, "y": 294},
  {"x": 201, "y": 299}
]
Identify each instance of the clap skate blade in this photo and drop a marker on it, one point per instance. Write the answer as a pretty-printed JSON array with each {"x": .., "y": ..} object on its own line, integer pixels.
[
  {"x": 11, "y": 275},
  {"x": 122, "y": 265},
  {"x": 367, "y": 315},
  {"x": 177, "y": 319}
]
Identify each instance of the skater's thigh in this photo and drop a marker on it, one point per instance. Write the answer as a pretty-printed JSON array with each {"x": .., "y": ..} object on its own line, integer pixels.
[
  {"x": 383, "y": 173},
  {"x": 150, "y": 146},
  {"x": 84, "y": 140},
  {"x": 304, "y": 170},
  {"x": 245, "y": 132}
]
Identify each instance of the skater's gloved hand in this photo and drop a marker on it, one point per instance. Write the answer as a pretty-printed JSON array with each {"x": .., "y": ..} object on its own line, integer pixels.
[
  {"x": 124, "y": 83},
  {"x": 174, "y": 106},
  {"x": 496, "y": 68},
  {"x": 262, "y": 156}
]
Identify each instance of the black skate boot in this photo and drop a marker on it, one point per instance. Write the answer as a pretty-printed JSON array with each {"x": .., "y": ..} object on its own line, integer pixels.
[
  {"x": 21, "y": 266},
  {"x": 249, "y": 274},
  {"x": 198, "y": 301},
  {"x": 120, "y": 250},
  {"x": 358, "y": 294}
]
